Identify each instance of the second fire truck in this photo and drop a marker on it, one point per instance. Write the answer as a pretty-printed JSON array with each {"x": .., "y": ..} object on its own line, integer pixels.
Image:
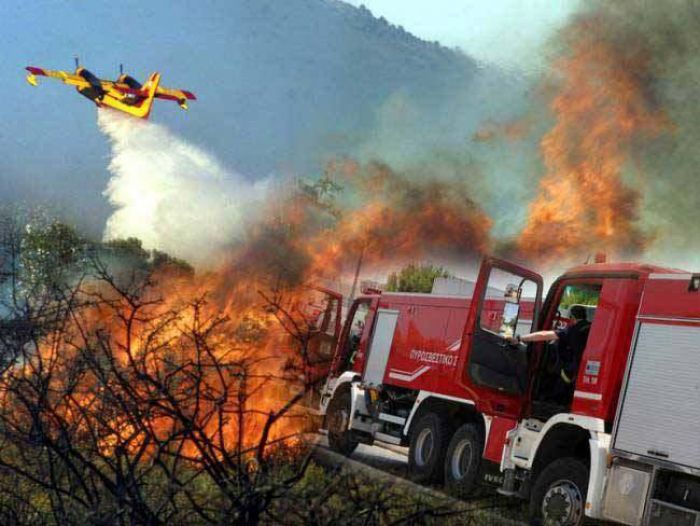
[{"x": 616, "y": 440}]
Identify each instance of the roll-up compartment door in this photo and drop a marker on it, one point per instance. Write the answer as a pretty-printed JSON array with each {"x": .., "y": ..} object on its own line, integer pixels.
[
  {"x": 659, "y": 416},
  {"x": 380, "y": 346}
]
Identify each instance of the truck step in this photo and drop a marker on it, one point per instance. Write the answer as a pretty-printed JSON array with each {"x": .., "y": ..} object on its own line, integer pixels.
[
  {"x": 392, "y": 419},
  {"x": 388, "y": 439}
]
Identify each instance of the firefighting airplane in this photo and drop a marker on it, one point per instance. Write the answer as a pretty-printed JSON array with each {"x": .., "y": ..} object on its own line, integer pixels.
[{"x": 125, "y": 94}]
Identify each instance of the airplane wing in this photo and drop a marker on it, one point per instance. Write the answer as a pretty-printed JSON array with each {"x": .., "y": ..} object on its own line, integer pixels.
[
  {"x": 67, "y": 78},
  {"x": 64, "y": 76},
  {"x": 179, "y": 95}
]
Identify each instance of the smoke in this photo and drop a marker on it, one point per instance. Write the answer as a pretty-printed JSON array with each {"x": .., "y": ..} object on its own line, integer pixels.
[
  {"x": 361, "y": 214},
  {"x": 621, "y": 157},
  {"x": 179, "y": 199},
  {"x": 602, "y": 112},
  {"x": 391, "y": 216},
  {"x": 618, "y": 167},
  {"x": 171, "y": 194},
  {"x": 667, "y": 32}
]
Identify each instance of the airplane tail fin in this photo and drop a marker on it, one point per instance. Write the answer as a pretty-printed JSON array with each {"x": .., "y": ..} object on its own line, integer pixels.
[
  {"x": 151, "y": 87},
  {"x": 151, "y": 84}
]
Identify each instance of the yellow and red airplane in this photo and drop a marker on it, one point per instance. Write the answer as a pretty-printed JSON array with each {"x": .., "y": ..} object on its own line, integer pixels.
[{"x": 124, "y": 94}]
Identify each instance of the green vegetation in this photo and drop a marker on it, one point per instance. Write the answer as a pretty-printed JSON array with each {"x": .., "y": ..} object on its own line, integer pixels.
[
  {"x": 579, "y": 295},
  {"x": 52, "y": 253},
  {"x": 415, "y": 278},
  {"x": 130, "y": 252},
  {"x": 344, "y": 495},
  {"x": 48, "y": 252}
]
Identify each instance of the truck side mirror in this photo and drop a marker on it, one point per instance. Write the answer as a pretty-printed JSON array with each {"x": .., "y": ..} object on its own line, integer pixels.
[
  {"x": 509, "y": 320},
  {"x": 512, "y": 293},
  {"x": 511, "y": 311}
]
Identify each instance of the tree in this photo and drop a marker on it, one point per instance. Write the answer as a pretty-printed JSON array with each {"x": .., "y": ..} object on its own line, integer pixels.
[
  {"x": 130, "y": 253},
  {"x": 415, "y": 278},
  {"x": 129, "y": 249},
  {"x": 50, "y": 252}
]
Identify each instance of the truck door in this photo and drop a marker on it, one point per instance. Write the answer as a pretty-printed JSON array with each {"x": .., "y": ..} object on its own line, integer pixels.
[
  {"x": 507, "y": 302},
  {"x": 350, "y": 350},
  {"x": 323, "y": 313}
]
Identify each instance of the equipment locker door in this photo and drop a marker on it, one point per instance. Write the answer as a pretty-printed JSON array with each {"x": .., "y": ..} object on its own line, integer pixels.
[
  {"x": 380, "y": 346},
  {"x": 659, "y": 413}
]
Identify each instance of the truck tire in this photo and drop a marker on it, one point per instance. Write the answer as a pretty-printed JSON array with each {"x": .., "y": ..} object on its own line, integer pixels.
[
  {"x": 559, "y": 493},
  {"x": 462, "y": 461},
  {"x": 340, "y": 438},
  {"x": 427, "y": 446}
]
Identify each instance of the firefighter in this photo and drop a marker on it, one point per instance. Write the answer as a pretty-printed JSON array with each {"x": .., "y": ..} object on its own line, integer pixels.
[{"x": 571, "y": 341}]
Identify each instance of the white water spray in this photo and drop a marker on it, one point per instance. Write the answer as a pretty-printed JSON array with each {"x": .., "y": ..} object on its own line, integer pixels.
[{"x": 172, "y": 195}]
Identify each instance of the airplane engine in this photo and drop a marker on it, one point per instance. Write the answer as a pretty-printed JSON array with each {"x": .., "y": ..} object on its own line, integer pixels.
[
  {"x": 129, "y": 81},
  {"x": 95, "y": 91}
]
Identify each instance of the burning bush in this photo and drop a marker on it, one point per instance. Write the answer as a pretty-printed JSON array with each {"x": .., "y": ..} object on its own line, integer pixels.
[{"x": 130, "y": 392}]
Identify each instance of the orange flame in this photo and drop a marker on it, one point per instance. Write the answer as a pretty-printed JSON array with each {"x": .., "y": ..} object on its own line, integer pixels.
[
  {"x": 399, "y": 219},
  {"x": 603, "y": 110},
  {"x": 228, "y": 384}
]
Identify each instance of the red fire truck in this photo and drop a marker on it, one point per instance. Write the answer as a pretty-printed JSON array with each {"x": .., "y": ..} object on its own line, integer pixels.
[{"x": 618, "y": 440}]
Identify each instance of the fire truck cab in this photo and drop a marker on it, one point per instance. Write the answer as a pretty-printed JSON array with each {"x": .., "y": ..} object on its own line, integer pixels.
[{"x": 542, "y": 421}]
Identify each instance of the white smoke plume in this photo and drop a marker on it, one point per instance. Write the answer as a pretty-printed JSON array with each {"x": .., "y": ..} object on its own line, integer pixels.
[{"x": 170, "y": 194}]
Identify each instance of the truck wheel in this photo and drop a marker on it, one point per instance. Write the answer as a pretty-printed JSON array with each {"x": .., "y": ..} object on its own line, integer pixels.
[
  {"x": 426, "y": 451},
  {"x": 340, "y": 438},
  {"x": 462, "y": 461},
  {"x": 559, "y": 494}
]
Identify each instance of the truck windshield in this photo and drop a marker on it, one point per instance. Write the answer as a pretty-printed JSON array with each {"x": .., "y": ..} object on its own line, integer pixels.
[{"x": 320, "y": 312}]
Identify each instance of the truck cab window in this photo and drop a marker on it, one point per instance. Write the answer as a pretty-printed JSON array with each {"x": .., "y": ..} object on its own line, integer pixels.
[
  {"x": 356, "y": 328},
  {"x": 331, "y": 313}
]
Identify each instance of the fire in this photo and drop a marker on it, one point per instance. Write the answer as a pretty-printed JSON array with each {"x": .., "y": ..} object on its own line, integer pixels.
[
  {"x": 218, "y": 363},
  {"x": 395, "y": 218},
  {"x": 173, "y": 364},
  {"x": 602, "y": 110}
]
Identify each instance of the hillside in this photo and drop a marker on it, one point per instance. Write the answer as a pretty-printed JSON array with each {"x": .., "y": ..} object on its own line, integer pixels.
[{"x": 318, "y": 77}]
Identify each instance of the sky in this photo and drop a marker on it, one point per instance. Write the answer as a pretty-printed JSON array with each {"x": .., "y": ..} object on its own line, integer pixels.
[
  {"x": 51, "y": 149},
  {"x": 511, "y": 33}
]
